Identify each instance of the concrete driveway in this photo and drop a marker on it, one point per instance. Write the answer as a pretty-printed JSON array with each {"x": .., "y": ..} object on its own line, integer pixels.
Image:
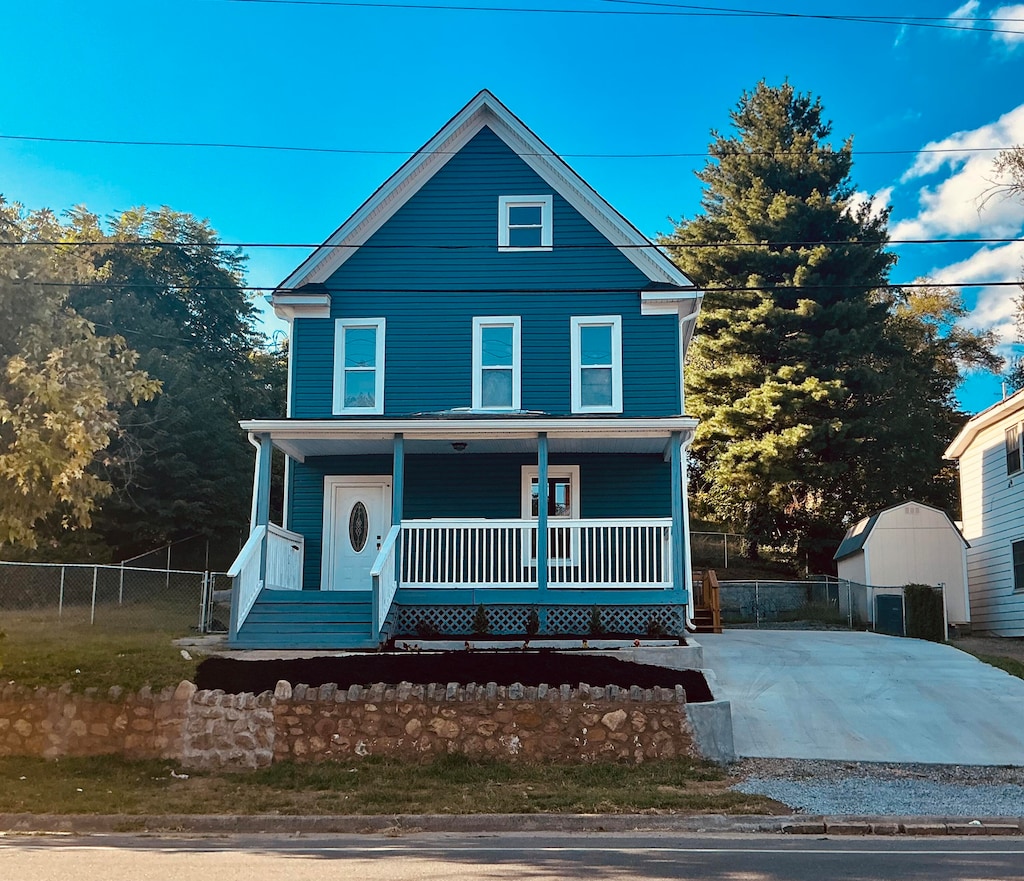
[{"x": 865, "y": 697}]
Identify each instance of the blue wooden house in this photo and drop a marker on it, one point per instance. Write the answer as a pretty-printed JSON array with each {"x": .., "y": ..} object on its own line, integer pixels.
[{"x": 485, "y": 407}]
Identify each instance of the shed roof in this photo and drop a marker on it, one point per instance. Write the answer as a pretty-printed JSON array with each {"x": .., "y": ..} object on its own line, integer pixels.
[{"x": 857, "y": 535}]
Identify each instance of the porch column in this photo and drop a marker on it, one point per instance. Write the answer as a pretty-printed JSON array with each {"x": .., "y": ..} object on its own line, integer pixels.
[
  {"x": 261, "y": 487},
  {"x": 678, "y": 558},
  {"x": 542, "y": 512},
  {"x": 398, "y": 480}
]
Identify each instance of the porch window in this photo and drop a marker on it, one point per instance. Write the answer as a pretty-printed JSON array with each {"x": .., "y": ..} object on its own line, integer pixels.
[
  {"x": 1013, "y": 449},
  {"x": 596, "y": 351},
  {"x": 359, "y": 365},
  {"x": 524, "y": 223},
  {"x": 497, "y": 363},
  {"x": 563, "y": 504},
  {"x": 1017, "y": 552}
]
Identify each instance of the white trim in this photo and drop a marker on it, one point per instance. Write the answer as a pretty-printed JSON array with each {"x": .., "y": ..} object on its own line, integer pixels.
[
  {"x": 576, "y": 323},
  {"x": 340, "y": 326},
  {"x": 1017, "y": 591},
  {"x": 479, "y": 323},
  {"x": 293, "y": 304},
  {"x": 985, "y": 419},
  {"x": 546, "y": 222},
  {"x": 333, "y": 482},
  {"x": 483, "y": 110}
]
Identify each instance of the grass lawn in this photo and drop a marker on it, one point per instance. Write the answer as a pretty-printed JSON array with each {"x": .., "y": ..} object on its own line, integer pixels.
[
  {"x": 447, "y": 785},
  {"x": 38, "y": 651},
  {"x": 1010, "y": 665}
]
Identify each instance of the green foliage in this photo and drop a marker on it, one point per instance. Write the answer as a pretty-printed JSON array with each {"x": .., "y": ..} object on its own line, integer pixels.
[
  {"x": 532, "y": 623},
  {"x": 821, "y": 397},
  {"x": 426, "y": 629},
  {"x": 481, "y": 621},
  {"x": 655, "y": 628},
  {"x": 596, "y": 627},
  {"x": 61, "y": 384},
  {"x": 924, "y": 612}
]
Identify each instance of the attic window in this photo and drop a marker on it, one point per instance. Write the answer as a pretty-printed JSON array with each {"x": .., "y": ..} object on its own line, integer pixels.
[
  {"x": 524, "y": 223},
  {"x": 1013, "y": 449}
]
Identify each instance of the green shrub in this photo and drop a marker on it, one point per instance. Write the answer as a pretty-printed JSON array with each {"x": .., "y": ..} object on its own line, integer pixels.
[
  {"x": 426, "y": 630},
  {"x": 481, "y": 621},
  {"x": 655, "y": 628},
  {"x": 532, "y": 623},
  {"x": 596, "y": 627},
  {"x": 924, "y": 612}
]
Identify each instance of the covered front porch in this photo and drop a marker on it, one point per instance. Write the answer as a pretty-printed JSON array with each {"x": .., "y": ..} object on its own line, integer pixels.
[{"x": 361, "y": 560}]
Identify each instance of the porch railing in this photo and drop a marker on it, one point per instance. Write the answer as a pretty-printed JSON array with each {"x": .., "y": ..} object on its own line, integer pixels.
[
  {"x": 503, "y": 553},
  {"x": 283, "y": 571},
  {"x": 384, "y": 580}
]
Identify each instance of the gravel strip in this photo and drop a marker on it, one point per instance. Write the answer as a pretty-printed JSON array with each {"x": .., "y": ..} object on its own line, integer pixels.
[{"x": 836, "y": 788}]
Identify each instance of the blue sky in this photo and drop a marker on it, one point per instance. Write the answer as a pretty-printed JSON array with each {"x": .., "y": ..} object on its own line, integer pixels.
[{"x": 386, "y": 79}]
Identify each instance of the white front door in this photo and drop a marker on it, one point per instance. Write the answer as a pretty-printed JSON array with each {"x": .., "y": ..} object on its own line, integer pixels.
[{"x": 357, "y": 517}]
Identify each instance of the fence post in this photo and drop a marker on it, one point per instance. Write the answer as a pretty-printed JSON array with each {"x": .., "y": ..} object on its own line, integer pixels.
[
  {"x": 757, "y": 606},
  {"x": 204, "y": 594},
  {"x": 60, "y": 601},
  {"x": 167, "y": 586},
  {"x": 849, "y": 602},
  {"x": 92, "y": 612},
  {"x": 725, "y": 538},
  {"x": 120, "y": 589}
]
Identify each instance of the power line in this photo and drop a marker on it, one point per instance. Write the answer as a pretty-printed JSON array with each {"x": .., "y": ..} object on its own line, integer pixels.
[
  {"x": 890, "y": 286},
  {"x": 490, "y": 247},
  {"x": 667, "y": 10},
  {"x": 347, "y": 151}
]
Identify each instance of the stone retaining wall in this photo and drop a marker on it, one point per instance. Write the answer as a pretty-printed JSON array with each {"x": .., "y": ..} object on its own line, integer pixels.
[{"x": 211, "y": 729}]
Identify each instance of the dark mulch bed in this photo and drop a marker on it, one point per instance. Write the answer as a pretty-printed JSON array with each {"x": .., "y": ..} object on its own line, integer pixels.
[{"x": 504, "y": 668}]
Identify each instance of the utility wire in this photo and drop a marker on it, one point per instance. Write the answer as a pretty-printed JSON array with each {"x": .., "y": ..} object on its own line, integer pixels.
[
  {"x": 665, "y": 10},
  {"x": 890, "y": 286},
  {"x": 286, "y": 148},
  {"x": 683, "y": 246}
]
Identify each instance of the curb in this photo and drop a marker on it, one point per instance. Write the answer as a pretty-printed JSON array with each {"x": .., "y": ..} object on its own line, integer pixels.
[{"x": 408, "y": 824}]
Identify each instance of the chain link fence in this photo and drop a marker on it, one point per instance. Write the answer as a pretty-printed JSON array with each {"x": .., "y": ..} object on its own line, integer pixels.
[
  {"x": 113, "y": 598},
  {"x": 809, "y": 604},
  {"x": 714, "y": 549}
]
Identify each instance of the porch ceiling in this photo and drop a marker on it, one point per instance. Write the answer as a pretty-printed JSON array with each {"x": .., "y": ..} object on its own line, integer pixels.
[{"x": 308, "y": 438}]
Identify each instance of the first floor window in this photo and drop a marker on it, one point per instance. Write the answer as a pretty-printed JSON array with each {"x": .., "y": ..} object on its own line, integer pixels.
[
  {"x": 1017, "y": 550},
  {"x": 359, "y": 365},
  {"x": 497, "y": 363},
  {"x": 1013, "y": 449},
  {"x": 596, "y": 352}
]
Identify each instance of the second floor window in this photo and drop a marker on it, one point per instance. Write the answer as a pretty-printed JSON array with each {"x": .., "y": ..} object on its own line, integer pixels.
[
  {"x": 359, "y": 366},
  {"x": 497, "y": 363},
  {"x": 1013, "y": 449},
  {"x": 524, "y": 223},
  {"x": 596, "y": 351}
]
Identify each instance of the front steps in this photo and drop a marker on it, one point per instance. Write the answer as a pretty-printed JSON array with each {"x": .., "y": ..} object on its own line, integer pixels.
[{"x": 308, "y": 619}]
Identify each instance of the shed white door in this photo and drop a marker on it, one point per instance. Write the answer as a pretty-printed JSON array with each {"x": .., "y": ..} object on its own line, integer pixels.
[{"x": 357, "y": 516}]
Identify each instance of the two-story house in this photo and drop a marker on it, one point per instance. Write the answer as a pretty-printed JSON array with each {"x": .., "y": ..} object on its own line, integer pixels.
[
  {"x": 990, "y": 453},
  {"x": 485, "y": 407}
]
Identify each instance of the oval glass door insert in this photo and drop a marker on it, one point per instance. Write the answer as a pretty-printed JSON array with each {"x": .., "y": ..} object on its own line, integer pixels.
[{"x": 358, "y": 526}]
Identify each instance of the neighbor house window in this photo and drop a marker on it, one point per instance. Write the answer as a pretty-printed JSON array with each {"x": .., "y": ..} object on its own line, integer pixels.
[
  {"x": 596, "y": 352},
  {"x": 1013, "y": 449},
  {"x": 359, "y": 365},
  {"x": 497, "y": 363},
  {"x": 1017, "y": 551},
  {"x": 524, "y": 223}
]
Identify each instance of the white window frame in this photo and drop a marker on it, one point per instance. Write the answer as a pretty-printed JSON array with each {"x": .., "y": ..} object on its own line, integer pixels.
[
  {"x": 577, "y": 322},
  {"x": 543, "y": 202},
  {"x": 479, "y": 323},
  {"x": 1016, "y": 588},
  {"x": 340, "y": 326},
  {"x": 1019, "y": 437},
  {"x": 532, "y": 472}
]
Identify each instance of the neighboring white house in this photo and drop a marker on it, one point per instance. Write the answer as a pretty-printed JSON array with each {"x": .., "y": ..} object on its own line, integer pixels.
[
  {"x": 911, "y": 543},
  {"x": 989, "y": 452}
]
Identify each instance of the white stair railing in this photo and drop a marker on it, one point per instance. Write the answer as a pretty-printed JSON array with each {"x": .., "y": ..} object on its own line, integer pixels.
[
  {"x": 384, "y": 578},
  {"x": 284, "y": 559},
  {"x": 245, "y": 578}
]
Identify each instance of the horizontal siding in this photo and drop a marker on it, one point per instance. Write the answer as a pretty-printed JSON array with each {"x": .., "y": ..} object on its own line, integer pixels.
[
  {"x": 429, "y": 335},
  {"x": 479, "y": 486},
  {"x": 993, "y": 510}
]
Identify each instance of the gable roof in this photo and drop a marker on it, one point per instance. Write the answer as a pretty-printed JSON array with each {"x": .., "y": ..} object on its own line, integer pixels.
[
  {"x": 486, "y": 110},
  {"x": 986, "y": 418},
  {"x": 857, "y": 535}
]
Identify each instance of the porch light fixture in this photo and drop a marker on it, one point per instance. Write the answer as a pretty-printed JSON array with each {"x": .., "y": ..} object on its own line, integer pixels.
[{"x": 459, "y": 446}]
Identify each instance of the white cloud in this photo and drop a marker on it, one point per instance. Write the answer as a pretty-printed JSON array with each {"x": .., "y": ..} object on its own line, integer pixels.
[
  {"x": 1011, "y": 33},
  {"x": 995, "y": 306},
  {"x": 879, "y": 201},
  {"x": 956, "y": 205},
  {"x": 967, "y": 12}
]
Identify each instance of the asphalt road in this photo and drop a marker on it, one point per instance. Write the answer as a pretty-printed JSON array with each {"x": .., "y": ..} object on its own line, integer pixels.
[{"x": 448, "y": 857}]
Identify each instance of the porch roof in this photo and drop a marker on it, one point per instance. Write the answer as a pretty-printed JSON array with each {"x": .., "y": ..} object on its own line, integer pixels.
[{"x": 302, "y": 438}]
